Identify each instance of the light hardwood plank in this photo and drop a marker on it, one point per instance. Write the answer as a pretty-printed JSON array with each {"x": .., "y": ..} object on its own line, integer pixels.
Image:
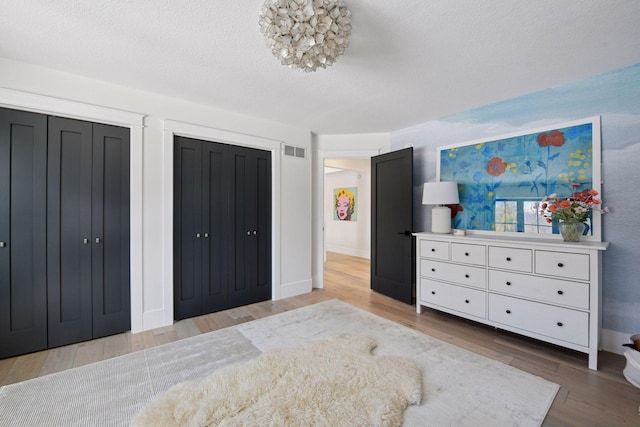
[
  {"x": 25, "y": 367},
  {"x": 59, "y": 359}
]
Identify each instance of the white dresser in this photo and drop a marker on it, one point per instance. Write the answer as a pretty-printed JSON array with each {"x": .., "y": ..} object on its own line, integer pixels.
[{"x": 542, "y": 288}]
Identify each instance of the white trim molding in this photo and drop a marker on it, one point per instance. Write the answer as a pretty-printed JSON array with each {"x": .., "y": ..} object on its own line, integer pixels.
[
  {"x": 318, "y": 208},
  {"x": 612, "y": 341},
  {"x": 27, "y": 101},
  {"x": 172, "y": 128}
]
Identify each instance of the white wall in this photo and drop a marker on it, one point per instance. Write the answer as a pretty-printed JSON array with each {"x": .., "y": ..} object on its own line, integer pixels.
[
  {"x": 349, "y": 237},
  {"x": 356, "y": 146},
  {"x": 294, "y": 238}
]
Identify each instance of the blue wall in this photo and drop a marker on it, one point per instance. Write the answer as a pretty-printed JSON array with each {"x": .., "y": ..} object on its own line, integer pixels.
[{"x": 615, "y": 97}]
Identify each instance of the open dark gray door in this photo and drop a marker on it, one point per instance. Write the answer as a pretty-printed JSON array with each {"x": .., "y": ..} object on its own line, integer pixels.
[{"x": 392, "y": 245}]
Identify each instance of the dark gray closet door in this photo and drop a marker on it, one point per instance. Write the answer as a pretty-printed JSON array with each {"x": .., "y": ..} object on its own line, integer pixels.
[
  {"x": 262, "y": 278},
  {"x": 250, "y": 249},
  {"x": 110, "y": 231},
  {"x": 69, "y": 237},
  {"x": 23, "y": 166},
  {"x": 243, "y": 227},
  {"x": 222, "y": 226},
  {"x": 187, "y": 228},
  {"x": 200, "y": 227},
  {"x": 215, "y": 229}
]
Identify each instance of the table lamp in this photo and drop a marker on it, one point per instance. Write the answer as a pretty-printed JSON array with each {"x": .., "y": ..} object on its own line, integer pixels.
[{"x": 440, "y": 193}]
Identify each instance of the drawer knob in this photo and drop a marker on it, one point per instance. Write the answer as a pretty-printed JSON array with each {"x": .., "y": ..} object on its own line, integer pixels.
[
  {"x": 466, "y": 254},
  {"x": 560, "y": 293},
  {"x": 508, "y": 283},
  {"x": 433, "y": 292},
  {"x": 508, "y": 311},
  {"x": 559, "y": 324},
  {"x": 433, "y": 249},
  {"x": 466, "y": 275},
  {"x": 508, "y": 258},
  {"x": 467, "y": 301},
  {"x": 433, "y": 269},
  {"x": 560, "y": 265}
]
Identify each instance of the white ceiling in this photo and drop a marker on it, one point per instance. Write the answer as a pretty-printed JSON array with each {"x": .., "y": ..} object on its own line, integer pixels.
[{"x": 409, "y": 61}]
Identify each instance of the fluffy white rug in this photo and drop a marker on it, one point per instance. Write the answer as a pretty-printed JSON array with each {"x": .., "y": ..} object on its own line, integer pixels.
[{"x": 332, "y": 382}]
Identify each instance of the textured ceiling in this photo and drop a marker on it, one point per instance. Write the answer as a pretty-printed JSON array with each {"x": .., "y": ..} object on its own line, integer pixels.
[{"x": 409, "y": 61}]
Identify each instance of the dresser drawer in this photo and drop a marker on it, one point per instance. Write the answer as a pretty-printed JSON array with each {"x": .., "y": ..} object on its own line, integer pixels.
[
  {"x": 510, "y": 258},
  {"x": 462, "y": 274},
  {"x": 561, "y": 292},
  {"x": 560, "y": 323},
  {"x": 562, "y": 264},
  {"x": 468, "y": 254},
  {"x": 434, "y": 249},
  {"x": 458, "y": 298}
]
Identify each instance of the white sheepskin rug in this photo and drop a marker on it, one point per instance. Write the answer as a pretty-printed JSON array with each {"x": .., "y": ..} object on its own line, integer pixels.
[{"x": 333, "y": 382}]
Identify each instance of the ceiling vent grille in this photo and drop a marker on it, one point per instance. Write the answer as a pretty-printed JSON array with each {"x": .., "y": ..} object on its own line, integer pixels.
[{"x": 292, "y": 151}]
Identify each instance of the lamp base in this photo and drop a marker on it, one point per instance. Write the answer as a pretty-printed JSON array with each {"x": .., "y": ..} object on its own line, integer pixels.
[{"x": 441, "y": 220}]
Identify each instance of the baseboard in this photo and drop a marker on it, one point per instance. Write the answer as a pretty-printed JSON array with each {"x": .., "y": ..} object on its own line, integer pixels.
[
  {"x": 360, "y": 253},
  {"x": 612, "y": 341},
  {"x": 154, "y": 319},
  {"x": 297, "y": 288}
]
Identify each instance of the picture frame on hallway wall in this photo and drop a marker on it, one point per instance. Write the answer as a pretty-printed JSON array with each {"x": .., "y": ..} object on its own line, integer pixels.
[
  {"x": 502, "y": 180},
  {"x": 345, "y": 202}
]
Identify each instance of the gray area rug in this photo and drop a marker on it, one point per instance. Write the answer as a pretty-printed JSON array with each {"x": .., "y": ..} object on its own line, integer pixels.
[{"x": 460, "y": 388}]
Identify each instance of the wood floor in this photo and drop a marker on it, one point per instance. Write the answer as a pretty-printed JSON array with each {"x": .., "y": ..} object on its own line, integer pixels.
[{"x": 586, "y": 398}]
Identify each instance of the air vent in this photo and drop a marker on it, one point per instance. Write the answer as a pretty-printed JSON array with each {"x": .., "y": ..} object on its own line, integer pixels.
[
  {"x": 289, "y": 150},
  {"x": 292, "y": 151}
]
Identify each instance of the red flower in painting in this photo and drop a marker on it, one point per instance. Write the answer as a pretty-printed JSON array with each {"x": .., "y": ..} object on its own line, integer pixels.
[
  {"x": 496, "y": 166},
  {"x": 555, "y": 138}
]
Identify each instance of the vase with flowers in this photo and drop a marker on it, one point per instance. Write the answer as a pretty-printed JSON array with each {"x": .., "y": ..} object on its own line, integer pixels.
[{"x": 572, "y": 212}]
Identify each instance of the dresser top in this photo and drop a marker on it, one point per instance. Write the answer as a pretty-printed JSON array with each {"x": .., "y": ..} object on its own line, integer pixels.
[{"x": 513, "y": 240}]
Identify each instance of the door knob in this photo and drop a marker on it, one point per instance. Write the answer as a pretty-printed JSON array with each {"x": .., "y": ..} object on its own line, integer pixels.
[
  {"x": 85, "y": 241},
  {"x": 197, "y": 235},
  {"x": 3, "y": 244},
  {"x": 98, "y": 240},
  {"x": 255, "y": 232},
  {"x": 206, "y": 235}
]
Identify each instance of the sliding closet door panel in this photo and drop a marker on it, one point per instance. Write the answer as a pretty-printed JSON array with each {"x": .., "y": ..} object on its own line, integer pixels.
[
  {"x": 69, "y": 231},
  {"x": 243, "y": 237},
  {"x": 110, "y": 231},
  {"x": 187, "y": 228},
  {"x": 251, "y": 194},
  {"x": 263, "y": 238},
  {"x": 215, "y": 210},
  {"x": 23, "y": 165}
]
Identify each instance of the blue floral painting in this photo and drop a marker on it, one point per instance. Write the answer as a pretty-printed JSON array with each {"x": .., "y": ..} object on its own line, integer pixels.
[{"x": 502, "y": 180}]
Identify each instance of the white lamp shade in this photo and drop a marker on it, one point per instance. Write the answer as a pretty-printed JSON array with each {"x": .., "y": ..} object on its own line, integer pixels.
[{"x": 440, "y": 193}]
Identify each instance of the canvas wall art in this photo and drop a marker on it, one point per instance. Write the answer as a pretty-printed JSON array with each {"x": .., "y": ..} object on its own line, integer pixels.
[
  {"x": 502, "y": 180},
  {"x": 345, "y": 202}
]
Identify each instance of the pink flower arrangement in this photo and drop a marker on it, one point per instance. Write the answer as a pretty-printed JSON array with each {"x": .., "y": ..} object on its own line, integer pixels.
[{"x": 575, "y": 208}]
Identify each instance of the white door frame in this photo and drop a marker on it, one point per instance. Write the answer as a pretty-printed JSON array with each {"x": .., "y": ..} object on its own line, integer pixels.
[{"x": 318, "y": 231}]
